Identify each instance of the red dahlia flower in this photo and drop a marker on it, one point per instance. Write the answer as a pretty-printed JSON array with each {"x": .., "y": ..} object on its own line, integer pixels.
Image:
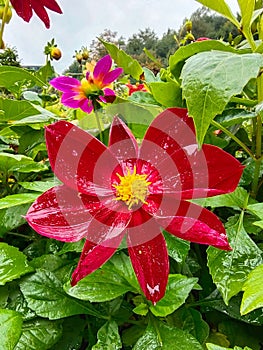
[
  {"x": 25, "y": 8},
  {"x": 95, "y": 86},
  {"x": 110, "y": 192}
]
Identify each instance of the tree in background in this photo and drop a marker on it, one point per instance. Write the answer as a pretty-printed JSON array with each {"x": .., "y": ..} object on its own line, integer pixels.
[{"x": 9, "y": 57}]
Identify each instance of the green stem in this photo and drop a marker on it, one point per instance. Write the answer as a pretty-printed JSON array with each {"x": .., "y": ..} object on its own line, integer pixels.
[
  {"x": 99, "y": 125},
  {"x": 3, "y": 22},
  {"x": 233, "y": 137},
  {"x": 258, "y": 133}
]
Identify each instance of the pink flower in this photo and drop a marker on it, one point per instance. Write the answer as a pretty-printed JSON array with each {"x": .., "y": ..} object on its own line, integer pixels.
[
  {"x": 95, "y": 86},
  {"x": 25, "y": 8},
  {"x": 126, "y": 190}
]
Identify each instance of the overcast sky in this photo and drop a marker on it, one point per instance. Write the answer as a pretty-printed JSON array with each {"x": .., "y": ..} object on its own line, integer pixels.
[{"x": 84, "y": 20}]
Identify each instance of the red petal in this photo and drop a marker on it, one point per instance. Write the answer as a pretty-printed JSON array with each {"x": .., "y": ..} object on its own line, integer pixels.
[
  {"x": 170, "y": 146},
  {"x": 23, "y": 9},
  {"x": 40, "y": 11},
  {"x": 196, "y": 224},
  {"x": 122, "y": 143},
  {"x": 61, "y": 214},
  {"x": 79, "y": 160},
  {"x": 93, "y": 256},
  {"x": 151, "y": 265},
  {"x": 51, "y": 5}
]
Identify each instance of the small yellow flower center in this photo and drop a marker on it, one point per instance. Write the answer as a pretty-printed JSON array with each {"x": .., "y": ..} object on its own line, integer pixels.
[{"x": 132, "y": 188}]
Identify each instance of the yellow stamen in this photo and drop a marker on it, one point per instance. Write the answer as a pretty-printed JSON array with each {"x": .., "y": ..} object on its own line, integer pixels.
[{"x": 132, "y": 188}]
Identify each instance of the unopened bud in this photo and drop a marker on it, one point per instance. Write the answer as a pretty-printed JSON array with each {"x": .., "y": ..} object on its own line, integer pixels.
[
  {"x": 188, "y": 25},
  {"x": 55, "y": 53}
]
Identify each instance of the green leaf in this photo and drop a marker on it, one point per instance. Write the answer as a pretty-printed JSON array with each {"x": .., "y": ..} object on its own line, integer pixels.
[
  {"x": 17, "y": 199},
  {"x": 190, "y": 320},
  {"x": 211, "y": 346},
  {"x": 12, "y": 217},
  {"x": 253, "y": 294},
  {"x": 234, "y": 116},
  {"x": 256, "y": 209},
  {"x": 123, "y": 60},
  {"x": 19, "y": 163},
  {"x": 15, "y": 110},
  {"x": 13, "y": 263},
  {"x": 143, "y": 98},
  {"x": 229, "y": 270},
  {"x": 167, "y": 94},
  {"x": 108, "y": 337},
  {"x": 221, "y": 7},
  {"x": 210, "y": 79},
  {"x": 236, "y": 199},
  {"x": 142, "y": 309},
  {"x": 45, "y": 295},
  {"x": 11, "y": 75},
  {"x": 247, "y": 9},
  {"x": 114, "y": 278},
  {"x": 11, "y": 326},
  {"x": 176, "y": 61},
  {"x": 39, "y": 186},
  {"x": 72, "y": 336},
  {"x": 39, "y": 334},
  {"x": 177, "y": 248},
  {"x": 178, "y": 289},
  {"x": 160, "y": 336}
]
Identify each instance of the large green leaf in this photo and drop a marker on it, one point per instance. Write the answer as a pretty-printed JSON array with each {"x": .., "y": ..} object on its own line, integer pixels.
[
  {"x": 39, "y": 334},
  {"x": 229, "y": 270},
  {"x": 11, "y": 326},
  {"x": 123, "y": 60},
  {"x": 11, "y": 75},
  {"x": 13, "y": 263},
  {"x": 44, "y": 294},
  {"x": 210, "y": 79},
  {"x": 178, "y": 289},
  {"x": 221, "y": 7},
  {"x": 39, "y": 186},
  {"x": 176, "y": 61},
  {"x": 167, "y": 94},
  {"x": 256, "y": 209},
  {"x": 16, "y": 110},
  {"x": 114, "y": 278},
  {"x": 108, "y": 337},
  {"x": 160, "y": 336},
  {"x": 253, "y": 293}
]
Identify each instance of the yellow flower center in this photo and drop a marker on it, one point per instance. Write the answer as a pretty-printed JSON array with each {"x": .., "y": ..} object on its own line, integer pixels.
[{"x": 132, "y": 188}]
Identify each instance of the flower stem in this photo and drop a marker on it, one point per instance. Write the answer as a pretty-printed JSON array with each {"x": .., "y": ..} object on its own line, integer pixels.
[
  {"x": 3, "y": 22},
  {"x": 233, "y": 137},
  {"x": 99, "y": 125},
  {"x": 257, "y": 133}
]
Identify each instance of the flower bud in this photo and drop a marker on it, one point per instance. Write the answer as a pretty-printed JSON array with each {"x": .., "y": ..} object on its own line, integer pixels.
[
  {"x": 188, "y": 25},
  {"x": 55, "y": 53},
  {"x": 85, "y": 53},
  {"x": 8, "y": 15}
]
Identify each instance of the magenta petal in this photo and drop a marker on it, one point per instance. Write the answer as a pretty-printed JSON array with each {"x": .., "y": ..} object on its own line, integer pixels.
[
  {"x": 79, "y": 160},
  {"x": 102, "y": 67},
  {"x": 111, "y": 76},
  {"x": 86, "y": 105},
  {"x": 64, "y": 84},
  {"x": 122, "y": 143},
  {"x": 92, "y": 257},
  {"x": 151, "y": 265},
  {"x": 196, "y": 224},
  {"x": 61, "y": 214},
  {"x": 69, "y": 99}
]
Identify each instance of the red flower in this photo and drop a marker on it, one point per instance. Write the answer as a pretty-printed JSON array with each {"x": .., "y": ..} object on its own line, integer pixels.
[
  {"x": 110, "y": 192},
  {"x": 136, "y": 87},
  {"x": 25, "y": 8}
]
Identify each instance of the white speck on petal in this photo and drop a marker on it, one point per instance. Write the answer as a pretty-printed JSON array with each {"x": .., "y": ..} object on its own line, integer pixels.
[{"x": 154, "y": 289}]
